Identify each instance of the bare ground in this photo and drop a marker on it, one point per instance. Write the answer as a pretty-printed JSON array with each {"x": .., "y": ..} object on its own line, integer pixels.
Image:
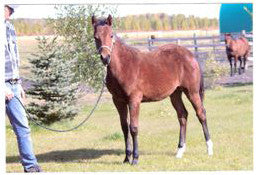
[{"x": 245, "y": 78}]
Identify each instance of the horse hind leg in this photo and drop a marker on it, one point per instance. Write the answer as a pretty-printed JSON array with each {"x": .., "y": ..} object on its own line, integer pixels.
[
  {"x": 176, "y": 100},
  {"x": 197, "y": 103},
  {"x": 235, "y": 64}
]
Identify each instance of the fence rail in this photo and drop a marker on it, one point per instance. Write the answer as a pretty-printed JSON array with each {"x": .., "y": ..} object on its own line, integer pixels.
[{"x": 200, "y": 46}]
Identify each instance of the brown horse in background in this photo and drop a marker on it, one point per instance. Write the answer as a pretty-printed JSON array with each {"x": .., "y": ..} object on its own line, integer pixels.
[
  {"x": 134, "y": 76},
  {"x": 239, "y": 50}
]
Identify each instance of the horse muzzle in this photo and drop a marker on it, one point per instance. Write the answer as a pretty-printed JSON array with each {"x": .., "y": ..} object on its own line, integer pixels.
[{"x": 105, "y": 60}]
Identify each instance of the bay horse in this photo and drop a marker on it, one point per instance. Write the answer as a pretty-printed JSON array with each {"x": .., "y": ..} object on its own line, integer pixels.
[
  {"x": 134, "y": 76},
  {"x": 238, "y": 49}
]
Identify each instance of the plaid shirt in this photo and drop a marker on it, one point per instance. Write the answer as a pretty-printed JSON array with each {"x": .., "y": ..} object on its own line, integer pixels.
[{"x": 12, "y": 59}]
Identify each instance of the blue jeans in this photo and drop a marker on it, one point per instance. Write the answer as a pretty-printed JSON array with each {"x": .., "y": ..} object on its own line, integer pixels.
[{"x": 19, "y": 122}]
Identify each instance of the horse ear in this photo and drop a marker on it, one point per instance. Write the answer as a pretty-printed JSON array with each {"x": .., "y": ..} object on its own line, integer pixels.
[
  {"x": 93, "y": 20},
  {"x": 109, "y": 20}
]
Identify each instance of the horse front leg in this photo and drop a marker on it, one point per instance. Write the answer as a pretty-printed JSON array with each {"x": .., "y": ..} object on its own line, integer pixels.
[
  {"x": 231, "y": 66},
  {"x": 235, "y": 64},
  {"x": 134, "y": 107},
  {"x": 240, "y": 66},
  {"x": 123, "y": 113}
]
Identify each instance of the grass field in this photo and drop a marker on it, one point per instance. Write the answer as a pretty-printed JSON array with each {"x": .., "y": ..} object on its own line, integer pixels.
[{"x": 98, "y": 145}]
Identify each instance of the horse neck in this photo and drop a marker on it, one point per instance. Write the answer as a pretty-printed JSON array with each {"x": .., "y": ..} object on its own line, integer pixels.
[{"x": 120, "y": 56}]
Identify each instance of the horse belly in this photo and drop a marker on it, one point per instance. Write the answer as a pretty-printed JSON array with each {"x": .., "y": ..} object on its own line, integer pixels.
[
  {"x": 159, "y": 90},
  {"x": 154, "y": 98}
]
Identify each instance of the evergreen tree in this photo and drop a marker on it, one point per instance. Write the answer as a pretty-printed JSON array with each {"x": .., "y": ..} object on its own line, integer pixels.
[{"x": 53, "y": 89}]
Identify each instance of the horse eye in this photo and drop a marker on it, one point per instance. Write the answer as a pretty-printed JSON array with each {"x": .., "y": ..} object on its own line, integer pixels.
[{"x": 111, "y": 36}]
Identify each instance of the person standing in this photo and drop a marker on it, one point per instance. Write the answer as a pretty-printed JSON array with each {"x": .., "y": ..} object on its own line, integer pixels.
[{"x": 14, "y": 90}]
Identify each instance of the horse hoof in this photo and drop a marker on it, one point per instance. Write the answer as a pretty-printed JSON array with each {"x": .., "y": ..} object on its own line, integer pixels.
[
  {"x": 134, "y": 162},
  {"x": 126, "y": 160},
  {"x": 180, "y": 152}
]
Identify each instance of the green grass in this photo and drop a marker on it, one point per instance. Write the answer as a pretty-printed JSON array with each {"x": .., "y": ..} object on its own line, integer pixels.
[{"x": 98, "y": 145}]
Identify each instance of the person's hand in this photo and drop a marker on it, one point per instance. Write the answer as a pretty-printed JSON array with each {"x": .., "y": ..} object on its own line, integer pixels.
[{"x": 8, "y": 93}]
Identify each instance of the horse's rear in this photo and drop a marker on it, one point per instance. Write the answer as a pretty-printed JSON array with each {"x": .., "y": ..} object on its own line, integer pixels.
[
  {"x": 181, "y": 72},
  {"x": 244, "y": 47}
]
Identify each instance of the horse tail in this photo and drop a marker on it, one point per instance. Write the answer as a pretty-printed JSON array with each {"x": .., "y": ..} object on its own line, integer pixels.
[{"x": 201, "y": 91}]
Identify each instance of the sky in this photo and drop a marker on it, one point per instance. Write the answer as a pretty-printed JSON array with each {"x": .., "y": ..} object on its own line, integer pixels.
[{"x": 201, "y": 10}]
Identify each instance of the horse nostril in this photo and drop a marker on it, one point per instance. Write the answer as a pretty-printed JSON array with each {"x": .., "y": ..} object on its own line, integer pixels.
[{"x": 105, "y": 59}]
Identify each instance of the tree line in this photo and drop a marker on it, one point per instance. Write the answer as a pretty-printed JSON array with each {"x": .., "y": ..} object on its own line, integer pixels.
[
  {"x": 145, "y": 22},
  {"x": 149, "y": 22},
  {"x": 32, "y": 27}
]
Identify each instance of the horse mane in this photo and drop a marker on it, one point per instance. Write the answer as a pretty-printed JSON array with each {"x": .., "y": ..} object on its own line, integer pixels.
[
  {"x": 129, "y": 48},
  {"x": 101, "y": 22}
]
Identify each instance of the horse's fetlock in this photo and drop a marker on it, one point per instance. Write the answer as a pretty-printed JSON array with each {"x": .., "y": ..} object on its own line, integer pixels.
[{"x": 128, "y": 152}]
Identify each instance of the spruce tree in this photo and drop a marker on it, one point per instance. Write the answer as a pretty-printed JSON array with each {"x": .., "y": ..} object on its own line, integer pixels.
[{"x": 53, "y": 89}]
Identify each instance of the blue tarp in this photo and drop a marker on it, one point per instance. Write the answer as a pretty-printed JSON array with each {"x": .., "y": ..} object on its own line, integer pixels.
[{"x": 236, "y": 17}]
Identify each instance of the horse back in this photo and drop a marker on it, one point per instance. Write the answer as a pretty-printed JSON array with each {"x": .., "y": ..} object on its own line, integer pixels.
[{"x": 238, "y": 47}]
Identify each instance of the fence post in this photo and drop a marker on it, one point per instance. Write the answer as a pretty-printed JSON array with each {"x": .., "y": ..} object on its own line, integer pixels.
[
  {"x": 151, "y": 40},
  {"x": 213, "y": 43},
  {"x": 195, "y": 46},
  {"x": 150, "y": 43}
]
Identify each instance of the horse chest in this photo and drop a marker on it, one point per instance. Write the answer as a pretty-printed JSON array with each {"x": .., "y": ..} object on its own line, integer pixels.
[
  {"x": 116, "y": 88},
  {"x": 230, "y": 52}
]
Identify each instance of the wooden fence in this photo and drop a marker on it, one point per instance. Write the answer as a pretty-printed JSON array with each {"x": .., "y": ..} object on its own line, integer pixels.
[{"x": 202, "y": 47}]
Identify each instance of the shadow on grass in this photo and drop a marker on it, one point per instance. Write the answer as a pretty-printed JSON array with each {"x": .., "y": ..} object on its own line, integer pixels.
[
  {"x": 236, "y": 84},
  {"x": 70, "y": 155}
]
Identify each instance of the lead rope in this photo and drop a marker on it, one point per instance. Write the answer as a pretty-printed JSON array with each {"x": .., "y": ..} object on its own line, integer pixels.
[{"x": 77, "y": 126}]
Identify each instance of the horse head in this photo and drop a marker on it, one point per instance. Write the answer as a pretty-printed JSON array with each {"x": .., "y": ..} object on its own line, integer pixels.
[
  {"x": 228, "y": 38},
  {"x": 103, "y": 35}
]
